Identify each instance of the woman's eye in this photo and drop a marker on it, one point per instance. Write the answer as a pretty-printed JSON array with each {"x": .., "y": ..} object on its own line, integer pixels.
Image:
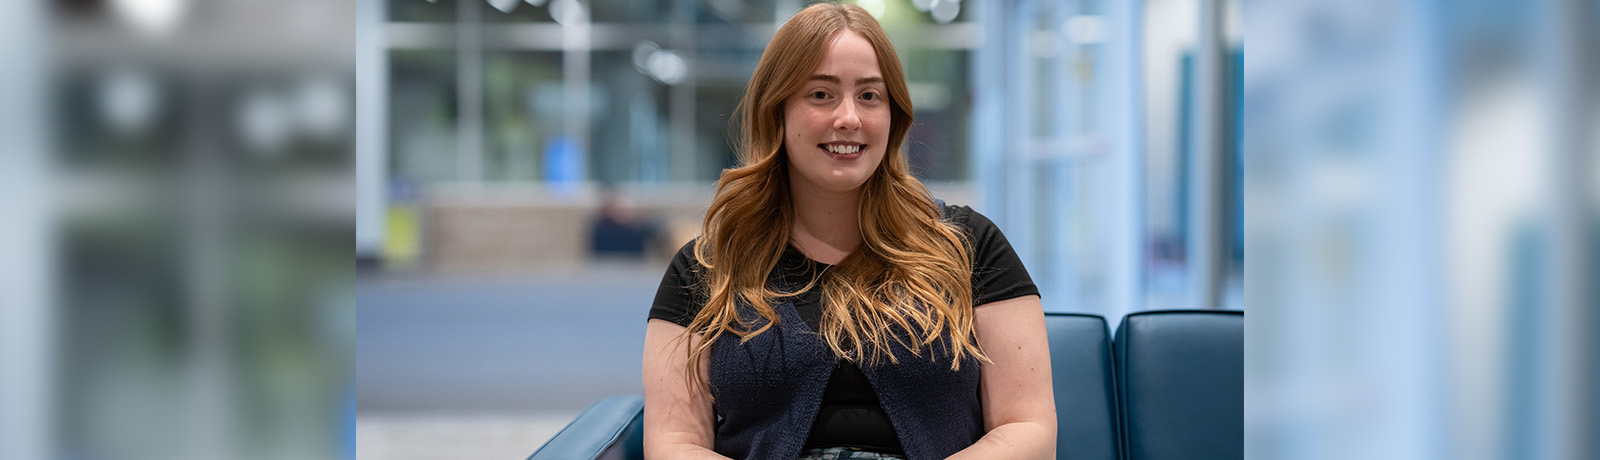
[
  {"x": 819, "y": 95},
  {"x": 870, "y": 96}
]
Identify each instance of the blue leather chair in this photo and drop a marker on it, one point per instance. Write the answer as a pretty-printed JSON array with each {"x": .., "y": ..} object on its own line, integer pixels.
[
  {"x": 609, "y": 429},
  {"x": 1170, "y": 385},
  {"x": 1081, "y": 374},
  {"x": 1180, "y": 384}
]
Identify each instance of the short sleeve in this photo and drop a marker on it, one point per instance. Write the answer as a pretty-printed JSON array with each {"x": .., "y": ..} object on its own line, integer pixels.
[
  {"x": 678, "y": 299},
  {"x": 997, "y": 271}
]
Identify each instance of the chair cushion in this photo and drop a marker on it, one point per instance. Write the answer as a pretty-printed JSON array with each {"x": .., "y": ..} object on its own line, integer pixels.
[{"x": 1181, "y": 377}]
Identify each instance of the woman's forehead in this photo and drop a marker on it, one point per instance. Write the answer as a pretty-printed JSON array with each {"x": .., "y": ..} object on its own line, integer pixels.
[{"x": 848, "y": 57}]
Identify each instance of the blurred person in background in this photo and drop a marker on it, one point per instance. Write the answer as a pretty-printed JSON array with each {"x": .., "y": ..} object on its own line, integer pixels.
[
  {"x": 617, "y": 231},
  {"x": 831, "y": 308}
]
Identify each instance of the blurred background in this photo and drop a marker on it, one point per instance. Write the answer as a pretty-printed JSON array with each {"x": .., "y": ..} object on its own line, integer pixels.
[
  {"x": 178, "y": 192},
  {"x": 1420, "y": 187},
  {"x": 530, "y": 167},
  {"x": 1416, "y": 187}
]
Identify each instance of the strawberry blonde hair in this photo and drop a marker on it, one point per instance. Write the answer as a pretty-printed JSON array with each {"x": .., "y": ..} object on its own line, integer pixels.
[{"x": 910, "y": 279}]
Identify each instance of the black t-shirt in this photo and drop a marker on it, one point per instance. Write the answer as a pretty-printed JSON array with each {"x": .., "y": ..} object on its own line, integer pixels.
[{"x": 850, "y": 414}]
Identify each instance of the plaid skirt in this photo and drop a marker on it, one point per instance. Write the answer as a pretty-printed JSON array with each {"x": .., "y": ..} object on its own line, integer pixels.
[{"x": 845, "y": 453}]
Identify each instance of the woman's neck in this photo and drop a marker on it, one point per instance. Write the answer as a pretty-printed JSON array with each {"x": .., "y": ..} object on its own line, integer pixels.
[{"x": 825, "y": 224}]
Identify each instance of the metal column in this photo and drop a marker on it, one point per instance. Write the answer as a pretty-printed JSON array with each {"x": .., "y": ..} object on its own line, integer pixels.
[{"x": 1209, "y": 221}]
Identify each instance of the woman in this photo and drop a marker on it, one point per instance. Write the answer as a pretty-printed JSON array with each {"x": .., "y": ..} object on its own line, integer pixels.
[{"x": 831, "y": 308}]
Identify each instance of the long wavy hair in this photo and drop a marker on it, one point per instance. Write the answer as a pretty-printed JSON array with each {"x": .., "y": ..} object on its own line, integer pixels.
[{"x": 910, "y": 279}]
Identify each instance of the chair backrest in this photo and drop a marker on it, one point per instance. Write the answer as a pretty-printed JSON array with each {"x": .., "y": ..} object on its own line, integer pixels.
[
  {"x": 609, "y": 429},
  {"x": 1081, "y": 372},
  {"x": 1180, "y": 376},
  {"x": 630, "y": 443}
]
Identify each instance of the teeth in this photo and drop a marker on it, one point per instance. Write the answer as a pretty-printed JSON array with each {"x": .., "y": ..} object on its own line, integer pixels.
[{"x": 843, "y": 149}]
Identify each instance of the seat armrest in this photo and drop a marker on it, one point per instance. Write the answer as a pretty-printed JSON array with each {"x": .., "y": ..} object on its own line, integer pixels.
[{"x": 609, "y": 429}]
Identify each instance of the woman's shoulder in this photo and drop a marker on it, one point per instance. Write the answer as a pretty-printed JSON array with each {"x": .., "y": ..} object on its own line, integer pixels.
[
  {"x": 678, "y": 297},
  {"x": 967, "y": 218},
  {"x": 685, "y": 256}
]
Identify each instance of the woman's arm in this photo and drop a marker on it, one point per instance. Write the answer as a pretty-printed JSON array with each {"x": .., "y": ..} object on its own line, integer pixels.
[
  {"x": 677, "y": 414},
  {"x": 1019, "y": 408}
]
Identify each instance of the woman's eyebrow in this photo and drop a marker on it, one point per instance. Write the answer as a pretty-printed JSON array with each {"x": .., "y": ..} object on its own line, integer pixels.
[{"x": 835, "y": 80}]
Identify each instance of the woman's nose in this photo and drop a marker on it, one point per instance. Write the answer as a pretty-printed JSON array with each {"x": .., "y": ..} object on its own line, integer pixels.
[{"x": 845, "y": 116}]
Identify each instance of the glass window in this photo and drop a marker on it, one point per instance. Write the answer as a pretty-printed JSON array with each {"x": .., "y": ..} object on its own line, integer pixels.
[
  {"x": 523, "y": 111},
  {"x": 520, "y": 12},
  {"x": 734, "y": 11},
  {"x": 1170, "y": 32},
  {"x": 714, "y": 106},
  {"x": 422, "y": 115},
  {"x": 422, "y": 11},
  {"x": 629, "y": 136},
  {"x": 939, "y": 83}
]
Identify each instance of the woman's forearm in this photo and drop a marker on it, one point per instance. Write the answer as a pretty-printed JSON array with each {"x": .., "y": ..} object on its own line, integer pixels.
[
  {"x": 1016, "y": 440},
  {"x": 683, "y": 451}
]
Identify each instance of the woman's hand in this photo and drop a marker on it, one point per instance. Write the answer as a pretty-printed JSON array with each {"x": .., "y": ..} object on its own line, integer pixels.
[
  {"x": 1019, "y": 407},
  {"x": 678, "y": 418}
]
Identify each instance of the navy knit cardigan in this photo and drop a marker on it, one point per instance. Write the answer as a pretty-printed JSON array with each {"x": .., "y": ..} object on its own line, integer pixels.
[{"x": 767, "y": 391}]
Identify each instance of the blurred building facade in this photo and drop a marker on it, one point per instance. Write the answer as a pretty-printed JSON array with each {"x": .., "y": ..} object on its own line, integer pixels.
[
  {"x": 1422, "y": 228},
  {"x": 1101, "y": 136},
  {"x": 195, "y": 176}
]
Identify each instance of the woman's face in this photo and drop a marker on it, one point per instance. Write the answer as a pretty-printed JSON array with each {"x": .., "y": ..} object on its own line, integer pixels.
[{"x": 836, "y": 126}]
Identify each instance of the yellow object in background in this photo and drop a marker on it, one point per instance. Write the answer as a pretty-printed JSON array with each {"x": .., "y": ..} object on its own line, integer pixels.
[{"x": 401, "y": 237}]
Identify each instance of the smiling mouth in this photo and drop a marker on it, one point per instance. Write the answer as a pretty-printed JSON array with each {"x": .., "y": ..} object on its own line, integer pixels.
[{"x": 838, "y": 149}]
